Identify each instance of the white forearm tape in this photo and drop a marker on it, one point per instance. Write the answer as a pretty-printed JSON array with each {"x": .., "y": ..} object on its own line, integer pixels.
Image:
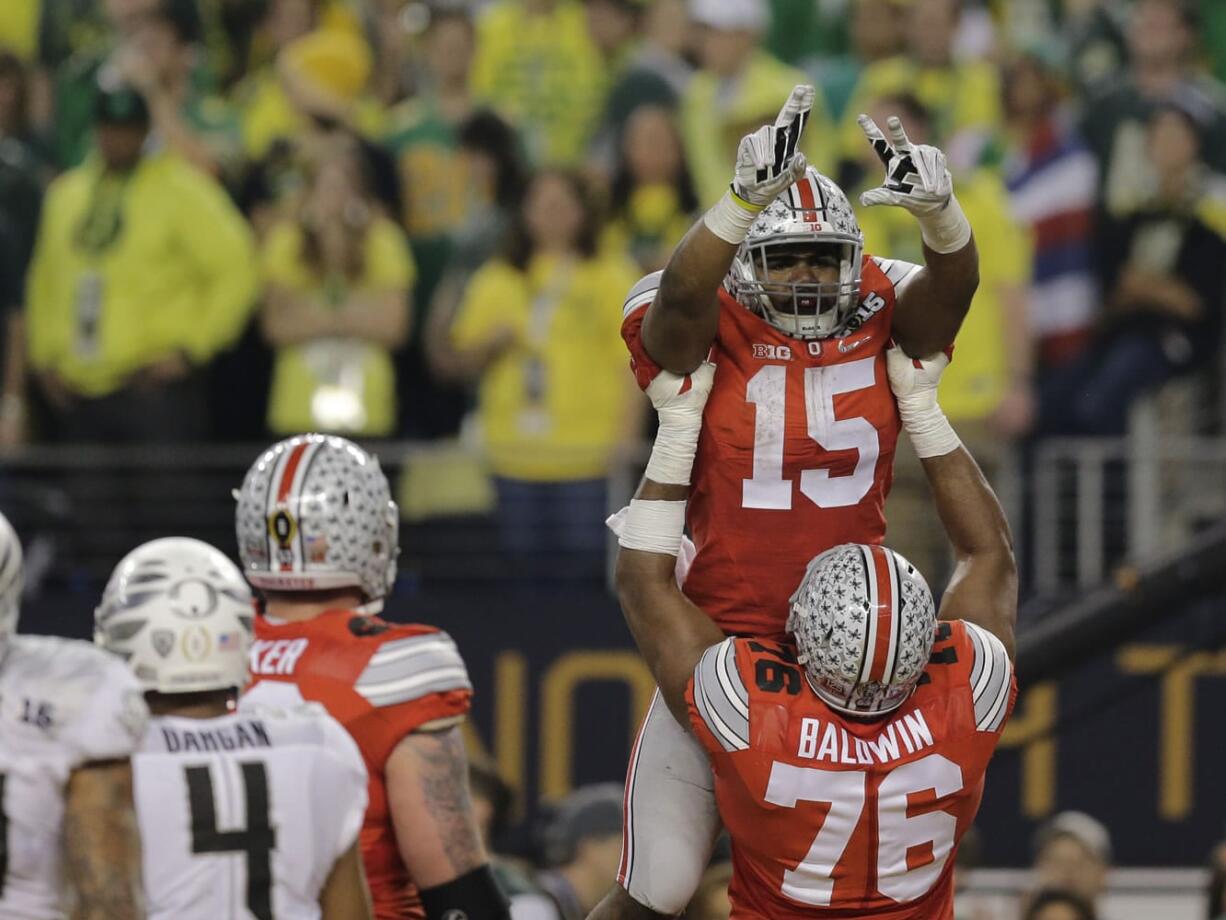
[
  {"x": 654, "y": 527},
  {"x": 947, "y": 230},
  {"x": 930, "y": 432},
  {"x": 731, "y": 217},
  {"x": 672, "y": 455}
]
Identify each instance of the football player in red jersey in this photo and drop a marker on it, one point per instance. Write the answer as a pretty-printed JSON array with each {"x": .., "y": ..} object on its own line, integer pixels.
[
  {"x": 849, "y": 757},
  {"x": 317, "y": 535},
  {"x": 796, "y": 453}
]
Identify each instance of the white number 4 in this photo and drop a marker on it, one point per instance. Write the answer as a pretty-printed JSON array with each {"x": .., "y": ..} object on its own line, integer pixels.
[
  {"x": 812, "y": 881},
  {"x": 767, "y": 390}
]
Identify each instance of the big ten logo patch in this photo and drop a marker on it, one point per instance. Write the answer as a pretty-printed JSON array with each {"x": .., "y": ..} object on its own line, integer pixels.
[
  {"x": 282, "y": 528},
  {"x": 772, "y": 352}
]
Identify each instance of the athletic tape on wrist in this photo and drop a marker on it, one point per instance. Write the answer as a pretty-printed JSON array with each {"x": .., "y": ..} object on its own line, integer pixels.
[
  {"x": 930, "y": 432},
  {"x": 672, "y": 455},
  {"x": 948, "y": 230},
  {"x": 654, "y": 527},
  {"x": 731, "y": 217}
]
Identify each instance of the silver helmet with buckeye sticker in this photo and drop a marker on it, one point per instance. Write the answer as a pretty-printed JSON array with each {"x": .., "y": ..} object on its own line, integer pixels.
[
  {"x": 315, "y": 513},
  {"x": 811, "y": 213},
  {"x": 864, "y": 622}
]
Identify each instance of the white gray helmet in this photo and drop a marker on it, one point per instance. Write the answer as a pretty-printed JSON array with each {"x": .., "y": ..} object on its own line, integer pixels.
[
  {"x": 12, "y": 581},
  {"x": 315, "y": 513},
  {"x": 812, "y": 211},
  {"x": 179, "y": 612},
  {"x": 864, "y": 623}
]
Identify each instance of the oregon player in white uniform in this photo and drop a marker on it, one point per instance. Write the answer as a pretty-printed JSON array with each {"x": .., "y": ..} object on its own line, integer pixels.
[
  {"x": 251, "y": 812},
  {"x": 70, "y": 717}
]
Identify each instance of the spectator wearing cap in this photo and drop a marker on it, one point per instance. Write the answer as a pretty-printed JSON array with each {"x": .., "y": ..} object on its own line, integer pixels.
[
  {"x": 1162, "y": 48},
  {"x": 657, "y": 72},
  {"x": 1163, "y": 273},
  {"x": 963, "y": 95},
  {"x": 153, "y": 45},
  {"x": 143, "y": 271},
  {"x": 162, "y": 58},
  {"x": 1052, "y": 178},
  {"x": 583, "y": 848},
  {"x": 738, "y": 88},
  {"x": 1072, "y": 852},
  {"x": 1058, "y": 904},
  {"x": 537, "y": 65}
]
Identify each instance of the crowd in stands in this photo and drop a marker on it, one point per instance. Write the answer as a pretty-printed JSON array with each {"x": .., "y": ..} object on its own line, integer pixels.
[{"x": 224, "y": 219}]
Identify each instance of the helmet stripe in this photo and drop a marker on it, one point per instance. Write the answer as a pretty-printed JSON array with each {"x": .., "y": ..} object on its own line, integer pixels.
[
  {"x": 895, "y": 621},
  {"x": 868, "y": 649},
  {"x": 287, "y": 474},
  {"x": 808, "y": 201},
  {"x": 884, "y": 614}
]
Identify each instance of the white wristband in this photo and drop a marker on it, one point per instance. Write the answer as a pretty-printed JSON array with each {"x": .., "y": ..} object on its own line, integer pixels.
[
  {"x": 672, "y": 455},
  {"x": 654, "y": 527},
  {"x": 930, "y": 432},
  {"x": 731, "y": 218},
  {"x": 947, "y": 230}
]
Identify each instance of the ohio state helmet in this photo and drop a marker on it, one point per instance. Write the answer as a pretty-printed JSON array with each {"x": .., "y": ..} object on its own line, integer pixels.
[
  {"x": 315, "y": 513},
  {"x": 863, "y": 620},
  {"x": 12, "y": 582},
  {"x": 812, "y": 211},
  {"x": 179, "y": 612}
]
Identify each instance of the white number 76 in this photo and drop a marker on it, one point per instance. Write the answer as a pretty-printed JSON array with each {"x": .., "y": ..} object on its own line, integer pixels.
[{"x": 812, "y": 881}]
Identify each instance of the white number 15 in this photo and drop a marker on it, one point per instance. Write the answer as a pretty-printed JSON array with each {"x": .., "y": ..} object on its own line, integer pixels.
[{"x": 767, "y": 390}]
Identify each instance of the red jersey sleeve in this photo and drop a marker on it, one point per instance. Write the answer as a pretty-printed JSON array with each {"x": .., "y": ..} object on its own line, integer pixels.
[
  {"x": 635, "y": 308},
  {"x": 415, "y": 677}
]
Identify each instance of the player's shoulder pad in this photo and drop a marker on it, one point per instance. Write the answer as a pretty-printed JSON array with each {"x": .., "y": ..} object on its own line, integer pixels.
[
  {"x": 411, "y": 663},
  {"x": 896, "y": 271},
  {"x": 97, "y": 704},
  {"x": 991, "y": 677},
  {"x": 720, "y": 696},
  {"x": 642, "y": 294}
]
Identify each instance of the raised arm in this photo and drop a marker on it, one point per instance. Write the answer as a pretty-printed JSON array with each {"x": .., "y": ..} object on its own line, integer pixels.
[
  {"x": 102, "y": 856},
  {"x": 671, "y": 632},
  {"x": 681, "y": 324},
  {"x": 934, "y": 301},
  {"x": 983, "y": 589}
]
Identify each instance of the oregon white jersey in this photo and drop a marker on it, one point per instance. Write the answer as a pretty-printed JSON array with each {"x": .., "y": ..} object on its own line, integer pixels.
[
  {"x": 63, "y": 703},
  {"x": 244, "y": 816}
]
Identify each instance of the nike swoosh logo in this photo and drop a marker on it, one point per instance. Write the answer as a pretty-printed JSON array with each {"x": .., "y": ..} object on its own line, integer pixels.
[{"x": 845, "y": 347}]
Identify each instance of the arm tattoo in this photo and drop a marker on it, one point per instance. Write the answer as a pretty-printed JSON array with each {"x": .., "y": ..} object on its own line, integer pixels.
[
  {"x": 443, "y": 770},
  {"x": 101, "y": 844}
]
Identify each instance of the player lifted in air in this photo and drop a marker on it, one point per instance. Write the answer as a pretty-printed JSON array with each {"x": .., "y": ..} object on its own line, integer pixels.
[
  {"x": 849, "y": 756},
  {"x": 248, "y": 813},
  {"x": 70, "y": 718},
  {"x": 317, "y": 535},
  {"x": 796, "y": 454}
]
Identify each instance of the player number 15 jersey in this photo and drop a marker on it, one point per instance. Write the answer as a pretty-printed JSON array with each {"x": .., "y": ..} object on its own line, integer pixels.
[{"x": 796, "y": 451}]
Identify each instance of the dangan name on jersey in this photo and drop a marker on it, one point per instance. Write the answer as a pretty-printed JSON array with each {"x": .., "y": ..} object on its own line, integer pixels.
[{"x": 235, "y": 737}]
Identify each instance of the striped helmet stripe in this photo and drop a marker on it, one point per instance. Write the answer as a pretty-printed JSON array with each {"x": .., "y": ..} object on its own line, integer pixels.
[
  {"x": 870, "y": 622},
  {"x": 808, "y": 194},
  {"x": 886, "y": 614},
  {"x": 287, "y": 477}
]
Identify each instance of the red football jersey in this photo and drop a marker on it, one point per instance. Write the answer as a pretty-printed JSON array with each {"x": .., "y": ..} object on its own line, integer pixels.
[
  {"x": 796, "y": 451},
  {"x": 835, "y": 817},
  {"x": 381, "y": 681}
]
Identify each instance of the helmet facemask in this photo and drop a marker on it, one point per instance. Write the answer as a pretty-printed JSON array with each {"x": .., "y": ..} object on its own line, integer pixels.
[{"x": 811, "y": 215}]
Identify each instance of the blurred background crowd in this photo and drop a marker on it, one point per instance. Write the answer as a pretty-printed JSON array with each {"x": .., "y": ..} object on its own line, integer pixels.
[
  {"x": 228, "y": 219},
  {"x": 415, "y": 223}
]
